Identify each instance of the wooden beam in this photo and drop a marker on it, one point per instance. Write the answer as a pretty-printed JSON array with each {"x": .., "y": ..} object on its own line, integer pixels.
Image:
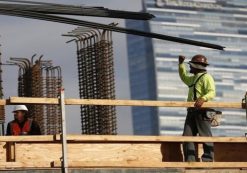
[
  {"x": 140, "y": 164},
  {"x": 3, "y": 154},
  {"x": 2, "y": 102},
  {"x": 122, "y": 138},
  {"x": 40, "y": 138},
  {"x": 28, "y": 100},
  {"x": 127, "y": 164},
  {"x": 158, "y": 139},
  {"x": 10, "y": 165},
  {"x": 25, "y": 165},
  {"x": 150, "y": 103},
  {"x": 32, "y": 100}
]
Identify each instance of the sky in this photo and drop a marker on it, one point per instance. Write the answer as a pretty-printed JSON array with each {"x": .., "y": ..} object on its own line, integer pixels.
[{"x": 22, "y": 37}]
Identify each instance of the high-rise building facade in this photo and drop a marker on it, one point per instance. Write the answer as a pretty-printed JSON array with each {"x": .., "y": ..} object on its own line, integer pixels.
[
  {"x": 222, "y": 22},
  {"x": 142, "y": 81}
]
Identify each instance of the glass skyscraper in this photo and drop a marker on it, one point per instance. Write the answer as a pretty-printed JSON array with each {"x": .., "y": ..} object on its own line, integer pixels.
[
  {"x": 222, "y": 22},
  {"x": 142, "y": 81}
]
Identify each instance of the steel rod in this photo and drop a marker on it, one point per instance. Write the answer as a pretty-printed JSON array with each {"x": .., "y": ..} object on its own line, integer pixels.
[
  {"x": 34, "y": 15},
  {"x": 50, "y": 8}
]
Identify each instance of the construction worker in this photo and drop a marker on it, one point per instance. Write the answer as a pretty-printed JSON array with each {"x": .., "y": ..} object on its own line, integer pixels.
[
  {"x": 22, "y": 125},
  {"x": 201, "y": 89}
]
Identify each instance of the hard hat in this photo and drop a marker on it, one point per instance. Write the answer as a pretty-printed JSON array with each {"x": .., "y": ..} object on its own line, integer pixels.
[
  {"x": 199, "y": 59},
  {"x": 20, "y": 108}
]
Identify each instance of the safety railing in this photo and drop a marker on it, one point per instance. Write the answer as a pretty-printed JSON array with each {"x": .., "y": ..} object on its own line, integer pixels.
[{"x": 116, "y": 151}]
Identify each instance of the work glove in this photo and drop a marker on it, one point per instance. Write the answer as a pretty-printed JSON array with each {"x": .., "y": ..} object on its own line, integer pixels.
[
  {"x": 181, "y": 59},
  {"x": 199, "y": 102}
]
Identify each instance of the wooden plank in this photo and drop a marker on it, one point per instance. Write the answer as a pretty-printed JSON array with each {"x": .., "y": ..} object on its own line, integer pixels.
[
  {"x": 40, "y": 138},
  {"x": 230, "y": 152},
  {"x": 158, "y": 139},
  {"x": 3, "y": 153},
  {"x": 116, "y": 152},
  {"x": 143, "y": 155},
  {"x": 10, "y": 165},
  {"x": 28, "y": 100},
  {"x": 24, "y": 165},
  {"x": 151, "y": 103},
  {"x": 90, "y": 152},
  {"x": 151, "y": 153},
  {"x": 2, "y": 102},
  {"x": 135, "y": 164},
  {"x": 127, "y": 164},
  {"x": 32, "y": 100},
  {"x": 122, "y": 138},
  {"x": 28, "y": 152}
]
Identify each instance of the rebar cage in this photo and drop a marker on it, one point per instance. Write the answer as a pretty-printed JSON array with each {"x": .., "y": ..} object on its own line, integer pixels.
[
  {"x": 2, "y": 108},
  {"x": 40, "y": 79},
  {"x": 96, "y": 79}
]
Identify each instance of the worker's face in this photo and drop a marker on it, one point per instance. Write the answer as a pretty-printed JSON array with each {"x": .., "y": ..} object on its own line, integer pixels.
[
  {"x": 192, "y": 70},
  {"x": 19, "y": 116}
]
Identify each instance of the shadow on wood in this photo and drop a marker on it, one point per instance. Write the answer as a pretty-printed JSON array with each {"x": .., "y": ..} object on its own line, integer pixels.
[{"x": 171, "y": 152}]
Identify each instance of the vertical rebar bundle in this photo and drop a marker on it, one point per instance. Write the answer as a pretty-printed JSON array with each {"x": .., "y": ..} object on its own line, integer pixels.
[
  {"x": 96, "y": 79},
  {"x": 40, "y": 79},
  {"x": 2, "y": 110}
]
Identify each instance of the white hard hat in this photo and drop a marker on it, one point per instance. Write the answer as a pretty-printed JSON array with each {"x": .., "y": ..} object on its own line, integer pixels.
[{"x": 20, "y": 108}]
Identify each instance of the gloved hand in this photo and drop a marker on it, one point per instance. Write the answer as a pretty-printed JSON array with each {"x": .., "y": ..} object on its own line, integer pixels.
[
  {"x": 199, "y": 102},
  {"x": 181, "y": 59}
]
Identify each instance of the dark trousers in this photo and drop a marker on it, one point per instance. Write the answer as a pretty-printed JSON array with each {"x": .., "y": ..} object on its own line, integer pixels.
[{"x": 197, "y": 123}]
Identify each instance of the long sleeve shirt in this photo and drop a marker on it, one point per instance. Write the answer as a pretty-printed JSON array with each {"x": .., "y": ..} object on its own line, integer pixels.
[{"x": 205, "y": 87}]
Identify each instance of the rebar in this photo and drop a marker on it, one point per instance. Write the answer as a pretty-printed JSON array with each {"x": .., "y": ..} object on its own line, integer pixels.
[
  {"x": 35, "y": 14},
  {"x": 51, "y": 8},
  {"x": 40, "y": 79},
  {"x": 96, "y": 79},
  {"x": 2, "y": 108}
]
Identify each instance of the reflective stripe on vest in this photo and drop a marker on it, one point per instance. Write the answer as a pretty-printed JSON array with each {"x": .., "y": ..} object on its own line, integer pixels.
[{"x": 16, "y": 130}]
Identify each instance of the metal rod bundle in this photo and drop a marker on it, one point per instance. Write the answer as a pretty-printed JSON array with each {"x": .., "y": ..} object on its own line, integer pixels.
[
  {"x": 2, "y": 109},
  {"x": 96, "y": 79},
  {"x": 40, "y": 79},
  {"x": 51, "y": 8},
  {"x": 6, "y": 9}
]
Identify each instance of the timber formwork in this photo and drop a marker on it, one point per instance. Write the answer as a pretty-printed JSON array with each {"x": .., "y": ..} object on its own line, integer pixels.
[
  {"x": 117, "y": 152},
  {"x": 44, "y": 152},
  {"x": 113, "y": 152}
]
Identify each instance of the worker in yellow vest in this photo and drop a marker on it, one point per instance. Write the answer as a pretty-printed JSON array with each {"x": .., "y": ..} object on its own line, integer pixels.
[
  {"x": 201, "y": 89},
  {"x": 22, "y": 125}
]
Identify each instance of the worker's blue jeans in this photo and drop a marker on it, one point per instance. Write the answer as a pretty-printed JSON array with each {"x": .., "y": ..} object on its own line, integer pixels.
[{"x": 197, "y": 123}]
